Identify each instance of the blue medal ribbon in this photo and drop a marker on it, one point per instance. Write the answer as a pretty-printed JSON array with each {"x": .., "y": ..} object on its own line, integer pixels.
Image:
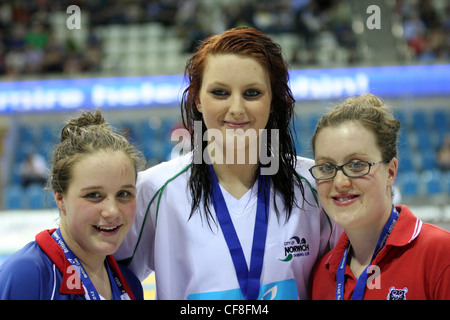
[
  {"x": 92, "y": 293},
  {"x": 360, "y": 286},
  {"x": 249, "y": 280},
  {"x": 116, "y": 285}
]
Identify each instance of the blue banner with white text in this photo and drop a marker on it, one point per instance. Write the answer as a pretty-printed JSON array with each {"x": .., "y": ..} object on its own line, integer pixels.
[{"x": 163, "y": 91}]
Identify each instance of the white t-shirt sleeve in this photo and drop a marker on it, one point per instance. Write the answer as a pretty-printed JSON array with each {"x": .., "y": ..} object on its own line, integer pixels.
[
  {"x": 136, "y": 251},
  {"x": 330, "y": 232}
]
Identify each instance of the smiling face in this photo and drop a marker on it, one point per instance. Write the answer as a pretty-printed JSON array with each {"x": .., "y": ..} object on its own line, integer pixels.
[
  {"x": 354, "y": 203},
  {"x": 235, "y": 94},
  {"x": 98, "y": 208}
]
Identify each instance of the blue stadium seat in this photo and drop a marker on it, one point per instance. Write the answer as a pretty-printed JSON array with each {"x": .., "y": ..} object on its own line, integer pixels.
[
  {"x": 14, "y": 197},
  {"x": 419, "y": 120},
  {"x": 312, "y": 121},
  {"x": 49, "y": 134},
  {"x": 446, "y": 182},
  {"x": 147, "y": 150},
  {"x": 36, "y": 196},
  {"x": 428, "y": 159},
  {"x": 400, "y": 116},
  {"x": 144, "y": 132},
  {"x": 26, "y": 134},
  {"x": 405, "y": 164},
  {"x": 50, "y": 200},
  {"x": 298, "y": 126},
  {"x": 432, "y": 179},
  {"x": 298, "y": 144},
  {"x": 405, "y": 160},
  {"x": 165, "y": 128},
  {"x": 424, "y": 140},
  {"x": 409, "y": 184},
  {"x": 167, "y": 150},
  {"x": 403, "y": 140},
  {"x": 441, "y": 137},
  {"x": 440, "y": 120},
  {"x": 14, "y": 173},
  {"x": 26, "y": 147}
]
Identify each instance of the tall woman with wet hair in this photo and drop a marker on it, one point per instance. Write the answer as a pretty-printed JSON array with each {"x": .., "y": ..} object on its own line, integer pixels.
[{"x": 236, "y": 218}]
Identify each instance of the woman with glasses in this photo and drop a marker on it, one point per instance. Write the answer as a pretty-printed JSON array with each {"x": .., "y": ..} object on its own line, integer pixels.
[{"x": 385, "y": 252}]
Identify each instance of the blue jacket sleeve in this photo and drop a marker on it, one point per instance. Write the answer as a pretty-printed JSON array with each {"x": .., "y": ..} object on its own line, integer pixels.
[
  {"x": 133, "y": 281},
  {"x": 25, "y": 276}
]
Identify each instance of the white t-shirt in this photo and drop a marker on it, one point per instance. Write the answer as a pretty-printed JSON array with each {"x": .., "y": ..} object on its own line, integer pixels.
[{"x": 192, "y": 261}]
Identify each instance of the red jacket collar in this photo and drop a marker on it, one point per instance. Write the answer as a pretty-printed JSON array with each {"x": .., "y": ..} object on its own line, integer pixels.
[
  {"x": 405, "y": 231},
  {"x": 47, "y": 244},
  {"x": 56, "y": 255}
]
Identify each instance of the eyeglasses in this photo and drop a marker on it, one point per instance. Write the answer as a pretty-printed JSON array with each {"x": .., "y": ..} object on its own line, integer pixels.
[{"x": 352, "y": 169}]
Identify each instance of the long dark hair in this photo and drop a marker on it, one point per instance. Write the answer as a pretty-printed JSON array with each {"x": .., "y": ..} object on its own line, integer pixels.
[{"x": 248, "y": 42}]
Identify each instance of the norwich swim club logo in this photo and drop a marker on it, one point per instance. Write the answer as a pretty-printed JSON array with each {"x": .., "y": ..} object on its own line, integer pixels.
[{"x": 295, "y": 248}]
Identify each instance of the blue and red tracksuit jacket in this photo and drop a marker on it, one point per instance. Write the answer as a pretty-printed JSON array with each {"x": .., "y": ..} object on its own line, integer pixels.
[{"x": 40, "y": 271}]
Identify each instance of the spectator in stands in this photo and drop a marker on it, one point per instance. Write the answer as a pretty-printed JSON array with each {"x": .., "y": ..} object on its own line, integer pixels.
[
  {"x": 307, "y": 24},
  {"x": 355, "y": 149},
  {"x": 33, "y": 169},
  {"x": 93, "y": 178},
  {"x": 54, "y": 57},
  {"x": 28, "y": 42},
  {"x": 426, "y": 28},
  {"x": 443, "y": 155},
  {"x": 414, "y": 30},
  {"x": 341, "y": 24},
  {"x": 428, "y": 13},
  {"x": 28, "y": 28}
]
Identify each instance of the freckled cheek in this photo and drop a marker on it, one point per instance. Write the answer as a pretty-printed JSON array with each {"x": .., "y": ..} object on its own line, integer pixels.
[
  {"x": 323, "y": 190},
  {"x": 129, "y": 213},
  {"x": 85, "y": 213}
]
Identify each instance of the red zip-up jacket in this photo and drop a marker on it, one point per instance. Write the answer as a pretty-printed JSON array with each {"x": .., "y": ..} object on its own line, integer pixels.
[
  {"x": 40, "y": 271},
  {"x": 413, "y": 265}
]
